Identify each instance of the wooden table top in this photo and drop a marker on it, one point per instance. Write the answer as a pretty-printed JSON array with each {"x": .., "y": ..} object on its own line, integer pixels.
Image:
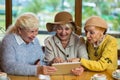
[{"x": 85, "y": 76}]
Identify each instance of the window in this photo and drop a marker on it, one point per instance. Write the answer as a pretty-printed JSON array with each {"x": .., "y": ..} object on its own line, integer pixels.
[
  {"x": 108, "y": 10},
  {"x": 2, "y": 17},
  {"x": 44, "y": 9}
]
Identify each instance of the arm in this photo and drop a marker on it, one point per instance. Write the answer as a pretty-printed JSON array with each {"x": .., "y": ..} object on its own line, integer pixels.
[{"x": 49, "y": 52}]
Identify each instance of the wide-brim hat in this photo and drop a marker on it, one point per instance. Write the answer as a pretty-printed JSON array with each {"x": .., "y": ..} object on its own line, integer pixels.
[
  {"x": 97, "y": 22},
  {"x": 60, "y": 18}
]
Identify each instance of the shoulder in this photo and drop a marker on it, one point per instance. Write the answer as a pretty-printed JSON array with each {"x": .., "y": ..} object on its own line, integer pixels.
[
  {"x": 110, "y": 39},
  {"x": 49, "y": 38},
  {"x": 109, "y": 42},
  {"x": 78, "y": 38},
  {"x": 9, "y": 38},
  {"x": 8, "y": 41}
]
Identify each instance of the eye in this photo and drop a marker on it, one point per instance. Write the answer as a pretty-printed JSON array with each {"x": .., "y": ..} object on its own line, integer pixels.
[
  {"x": 67, "y": 28},
  {"x": 91, "y": 32},
  {"x": 59, "y": 27}
]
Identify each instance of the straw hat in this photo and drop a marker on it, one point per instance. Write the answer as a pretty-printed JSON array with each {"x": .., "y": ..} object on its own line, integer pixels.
[
  {"x": 96, "y": 21},
  {"x": 60, "y": 18}
]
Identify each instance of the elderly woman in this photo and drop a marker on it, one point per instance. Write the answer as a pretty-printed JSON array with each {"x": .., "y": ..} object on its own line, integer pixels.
[
  {"x": 101, "y": 47},
  {"x": 65, "y": 45},
  {"x": 21, "y": 50}
]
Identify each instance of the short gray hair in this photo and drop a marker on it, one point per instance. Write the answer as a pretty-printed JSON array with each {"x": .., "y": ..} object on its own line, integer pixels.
[{"x": 27, "y": 20}]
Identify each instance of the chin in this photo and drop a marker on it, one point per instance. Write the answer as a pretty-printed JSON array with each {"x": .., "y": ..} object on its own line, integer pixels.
[
  {"x": 90, "y": 42},
  {"x": 64, "y": 39}
]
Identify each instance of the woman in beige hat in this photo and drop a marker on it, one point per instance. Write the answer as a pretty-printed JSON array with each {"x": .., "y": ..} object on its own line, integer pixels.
[
  {"x": 65, "y": 45},
  {"x": 101, "y": 47}
]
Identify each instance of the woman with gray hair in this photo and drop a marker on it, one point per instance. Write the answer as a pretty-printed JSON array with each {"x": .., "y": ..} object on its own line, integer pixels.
[
  {"x": 65, "y": 45},
  {"x": 21, "y": 51}
]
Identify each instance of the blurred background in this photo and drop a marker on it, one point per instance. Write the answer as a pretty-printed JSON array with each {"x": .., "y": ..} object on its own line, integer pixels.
[{"x": 46, "y": 10}]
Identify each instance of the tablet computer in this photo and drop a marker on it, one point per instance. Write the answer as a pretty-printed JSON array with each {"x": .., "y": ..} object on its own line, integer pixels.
[{"x": 66, "y": 67}]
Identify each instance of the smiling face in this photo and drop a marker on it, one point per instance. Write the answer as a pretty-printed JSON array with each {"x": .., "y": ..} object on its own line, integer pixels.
[
  {"x": 63, "y": 31},
  {"x": 28, "y": 35},
  {"x": 94, "y": 34}
]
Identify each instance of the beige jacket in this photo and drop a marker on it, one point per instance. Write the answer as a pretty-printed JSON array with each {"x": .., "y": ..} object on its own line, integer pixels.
[{"x": 75, "y": 49}]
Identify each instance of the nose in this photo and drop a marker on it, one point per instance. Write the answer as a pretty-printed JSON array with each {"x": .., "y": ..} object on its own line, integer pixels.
[
  {"x": 87, "y": 34},
  {"x": 34, "y": 34},
  {"x": 63, "y": 31}
]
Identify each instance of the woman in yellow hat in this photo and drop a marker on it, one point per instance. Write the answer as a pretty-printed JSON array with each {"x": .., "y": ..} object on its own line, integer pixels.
[
  {"x": 65, "y": 45},
  {"x": 101, "y": 47}
]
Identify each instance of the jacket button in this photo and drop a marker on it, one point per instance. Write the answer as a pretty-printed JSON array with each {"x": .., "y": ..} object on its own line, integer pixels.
[{"x": 67, "y": 55}]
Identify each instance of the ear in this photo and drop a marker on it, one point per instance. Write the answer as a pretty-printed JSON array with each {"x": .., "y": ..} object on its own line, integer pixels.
[
  {"x": 19, "y": 30},
  {"x": 101, "y": 33}
]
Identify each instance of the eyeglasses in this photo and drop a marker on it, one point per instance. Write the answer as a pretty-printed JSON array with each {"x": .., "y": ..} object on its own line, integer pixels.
[{"x": 30, "y": 31}]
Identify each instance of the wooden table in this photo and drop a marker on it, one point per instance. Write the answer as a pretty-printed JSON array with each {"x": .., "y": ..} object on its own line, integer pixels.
[{"x": 85, "y": 76}]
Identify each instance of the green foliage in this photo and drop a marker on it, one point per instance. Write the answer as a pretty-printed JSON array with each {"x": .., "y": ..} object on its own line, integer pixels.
[
  {"x": 88, "y": 11},
  {"x": 118, "y": 40},
  {"x": 34, "y": 6},
  {"x": 53, "y": 4},
  {"x": 104, "y": 7}
]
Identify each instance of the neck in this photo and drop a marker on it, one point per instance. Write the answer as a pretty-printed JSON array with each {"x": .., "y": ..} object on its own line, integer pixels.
[
  {"x": 64, "y": 43},
  {"x": 96, "y": 44}
]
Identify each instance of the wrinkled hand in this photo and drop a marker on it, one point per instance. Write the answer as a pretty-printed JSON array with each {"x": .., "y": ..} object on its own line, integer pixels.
[
  {"x": 78, "y": 71},
  {"x": 46, "y": 70},
  {"x": 73, "y": 60},
  {"x": 58, "y": 60}
]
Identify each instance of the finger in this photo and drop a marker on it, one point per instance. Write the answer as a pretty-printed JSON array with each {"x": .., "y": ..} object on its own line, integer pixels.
[
  {"x": 77, "y": 72},
  {"x": 69, "y": 60},
  {"x": 51, "y": 68},
  {"x": 49, "y": 73}
]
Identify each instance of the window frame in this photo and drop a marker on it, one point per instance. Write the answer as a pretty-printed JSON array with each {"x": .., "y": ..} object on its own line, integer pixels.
[{"x": 78, "y": 17}]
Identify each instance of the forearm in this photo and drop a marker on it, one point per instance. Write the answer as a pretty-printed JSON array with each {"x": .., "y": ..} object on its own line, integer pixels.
[
  {"x": 94, "y": 65},
  {"x": 19, "y": 69}
]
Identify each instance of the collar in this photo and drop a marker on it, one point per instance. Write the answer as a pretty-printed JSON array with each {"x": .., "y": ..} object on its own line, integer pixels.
[
  {"x": 20, "y": 40},
  {"x": 71, "y": 41}
]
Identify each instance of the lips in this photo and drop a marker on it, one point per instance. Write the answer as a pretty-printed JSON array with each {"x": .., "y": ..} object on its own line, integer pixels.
[
  {"x": 89, "y": 39},
  {"x": 31, "y": 39}
]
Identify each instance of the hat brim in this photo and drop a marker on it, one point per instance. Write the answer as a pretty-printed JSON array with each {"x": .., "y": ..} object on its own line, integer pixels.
[{"x": 50, "y": 25}]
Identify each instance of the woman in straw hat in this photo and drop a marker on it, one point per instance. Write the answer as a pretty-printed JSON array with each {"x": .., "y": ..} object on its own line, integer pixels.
[
  {"x": 101, "y": 47},
  {"x": 21, "y": 50},
  {"x": 65, "y": 45}
]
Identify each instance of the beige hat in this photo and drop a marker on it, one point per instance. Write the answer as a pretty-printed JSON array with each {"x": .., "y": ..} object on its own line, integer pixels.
[
  {"x": 60, "y": 18},
  {"x": 96, "y": 21}
]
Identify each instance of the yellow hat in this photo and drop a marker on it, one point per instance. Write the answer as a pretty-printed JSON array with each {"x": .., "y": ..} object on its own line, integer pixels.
[
  {"x": 60, "y": 18},
  {"x": 96, "y": 21}
]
